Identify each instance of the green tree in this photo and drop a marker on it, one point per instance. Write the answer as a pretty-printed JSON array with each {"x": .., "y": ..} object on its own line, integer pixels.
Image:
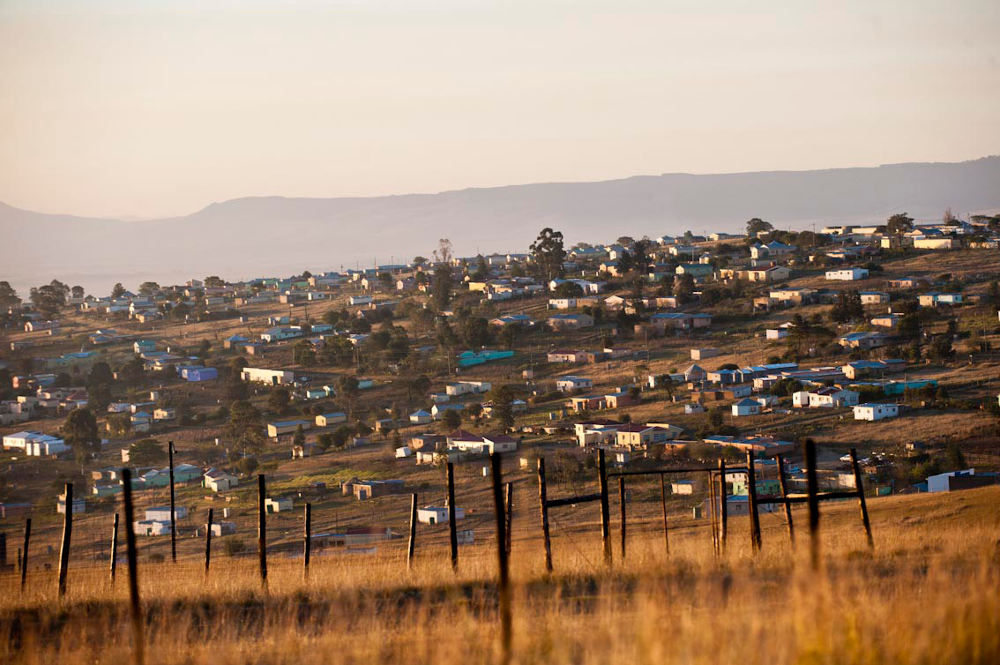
[
  {"x": 119, "y": 424},
  {"x": 503, "y": 406},
  {"x": 758, "y": 225},
  {"x": 452, "y": 419},
  {"x": 118, "y": 291},
  {"x": 347, "y": 390},
  {"x": 299, "y": 438},
  {"x": 899, "y": 224},
  {"x": 49, "y": 298},
  {"x": 441, "y": 286},
  {"x": 147, "y": 452},
  {"x": 246, "y": 425},
  {"x": 548, "y": 253},
  {"x": 8, "y": 296},
  {"x": 148, "y": 288},
  {"x": 79, "y": 431},
  {"x": 303, "y": 353},
  {"x": 279, "y": 399},
  {"x": 684, "y": 289},
  {"x": 476, "y": 331}
]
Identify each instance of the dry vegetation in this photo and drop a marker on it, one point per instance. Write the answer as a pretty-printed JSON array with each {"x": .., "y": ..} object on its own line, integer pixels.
[{"x": 926, "y": 595}]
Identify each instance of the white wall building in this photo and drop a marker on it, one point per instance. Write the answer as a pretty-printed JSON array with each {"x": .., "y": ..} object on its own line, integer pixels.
[{"x": 875, "y": 411}]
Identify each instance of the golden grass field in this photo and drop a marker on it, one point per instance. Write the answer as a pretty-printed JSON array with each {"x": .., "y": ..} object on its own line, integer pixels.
[{"x": 927, "y": 594}]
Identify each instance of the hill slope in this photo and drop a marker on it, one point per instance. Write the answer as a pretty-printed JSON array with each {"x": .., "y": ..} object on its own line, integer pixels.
[{"x": 266, "y": 235}]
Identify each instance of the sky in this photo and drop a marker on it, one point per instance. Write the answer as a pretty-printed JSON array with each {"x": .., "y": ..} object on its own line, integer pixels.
[{"x": 155, "y": 108}]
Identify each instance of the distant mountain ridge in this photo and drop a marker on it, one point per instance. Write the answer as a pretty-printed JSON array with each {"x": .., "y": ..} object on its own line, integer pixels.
[{"x": 256, "y": 236}]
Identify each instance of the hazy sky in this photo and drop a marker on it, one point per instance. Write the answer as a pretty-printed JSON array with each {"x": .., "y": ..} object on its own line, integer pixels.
[{"x": 151, "y": 107}]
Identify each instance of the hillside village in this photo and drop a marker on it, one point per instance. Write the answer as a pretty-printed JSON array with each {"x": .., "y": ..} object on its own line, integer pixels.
[{"x": 352, "y": 389}]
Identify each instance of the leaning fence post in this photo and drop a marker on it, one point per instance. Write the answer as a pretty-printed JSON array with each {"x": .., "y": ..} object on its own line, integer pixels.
[
  {"x": 605, "y": 506},
  {"x": 861, "y": 498},
  {"x": 544, "y": 511},
  {"x": 452, "y": 527},
  {"x": 173, "y": 509},
  {"x": 306, "y": 540},
  {"x": 208, "y": 540},
  {"x": 752, "y": 503},
  {"x": 262, "y": 528},
  {"x": 621, "y": 501},
  {"x": 66, "y": 538},
  {"x": 413, "y": 531},
  {"x": 663, "y": 500},
  {"x": 113, "y": 564},
  {"x": 24, "y": 553},
  {"x": 502, "y": 560},
  {"x": 811, "y": 490},
  {"x": 138, "y": 650},
  {"x": 783, "y": 483},
  {"x": 723, "y": 507}
]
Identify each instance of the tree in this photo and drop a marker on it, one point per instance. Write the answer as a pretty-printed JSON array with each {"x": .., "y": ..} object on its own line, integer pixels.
[
  {"x": 148, "y": 288},
  {"x": 347, "y": 389},
  {"x": 245, "y": 425},
  {"x": 279, "y": 399},
  {"x": 8, "y": 296},
  {"x": 49, "y": 298},
  {"x": 120, "y": 424},
  {"x": 299, "y": 438},
  {"x": 684, "y": 288},
  {"x": 474, "y": 411},
  {"x": 80, "y": 432},
  {"x": 548, "y": 253},
  {"x": 899, "y": 224},
  {"x": 451, "y": 419},
  {"x": 77, "y": 292},
  {"x": 503, "y": 406},
  {"x": 441, "y": 286},
  {"x": 214, "y": 282},
  {"x": 758, "y": 225},
  {"x": 481, "y": 272},
  {"x": 118, "y": 290},
  {"x": 568, "y": 290},
  {"x": 303, "y": 353},
  {"x": 476, "y": 331},
  {"x": 147, "y": 452}
]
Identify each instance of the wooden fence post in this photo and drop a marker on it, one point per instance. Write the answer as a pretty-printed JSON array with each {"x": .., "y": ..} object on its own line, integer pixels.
[
  {"x": 713, "y": 513},
  {"x": 173, "y": 508},
  {"x": 138, "y": 647},
  {"x": 663, "y": 500},
  {"x": 24, "y": 553},
  {"x": 544, "y": 511},
  {"x": 452, "y": 527},
  {"x": 113, "y": 564},
  {"x": 621, "y": 501},
  {"x": 306, "y": 540},
  {"x": 861, "y": 498},
  {"x": 811, "y": 489},
  {"x": 723, "y": 507},
  {"x": 509, "y": 505},
  {"x": 755, "y": 541},
  {"x": 503, "y": 582},
  {"x": 208, "y": 540},
  {"x": 262, "y": 528},
  {"x": 602, "y": 471},
  {"x": 783, "y": 483},
  {"x": 413, "y": 531},
  {"x": 66, "y": 539}
]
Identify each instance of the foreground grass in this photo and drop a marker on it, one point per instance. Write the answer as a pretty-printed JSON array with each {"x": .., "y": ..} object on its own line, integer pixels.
[{"x": 928, "y": 594}]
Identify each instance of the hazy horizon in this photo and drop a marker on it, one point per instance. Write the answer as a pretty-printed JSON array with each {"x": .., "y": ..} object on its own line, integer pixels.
[{"x": 149, "y": 110}]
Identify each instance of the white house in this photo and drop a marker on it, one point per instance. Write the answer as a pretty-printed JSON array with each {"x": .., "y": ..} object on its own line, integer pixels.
[
  {"x": 219, "y": 481},
  {"x": 682, "y": 487},
  {"x": 570, "y": 383},
  {"x": 274, "y": 377},
  {"x": 421, "y": 417},
  {"x": 467, "y": 388},
  {"x": 332, "y": 418},
  {"x": 438, "y": 514},
  {"x": 847, "y": 274},
  {"x": 829, "y": 398},
  {"x": 162, "y": 513},
  {"x": 875, "y": 411},
  {"x": 746, "y": 407}
]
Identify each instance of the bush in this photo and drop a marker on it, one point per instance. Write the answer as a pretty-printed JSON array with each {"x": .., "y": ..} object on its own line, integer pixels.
[{"x": 233, "y": 547}]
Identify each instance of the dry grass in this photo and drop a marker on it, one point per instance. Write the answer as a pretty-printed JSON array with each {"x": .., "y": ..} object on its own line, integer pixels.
[{"x": 926, "y": 595}]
